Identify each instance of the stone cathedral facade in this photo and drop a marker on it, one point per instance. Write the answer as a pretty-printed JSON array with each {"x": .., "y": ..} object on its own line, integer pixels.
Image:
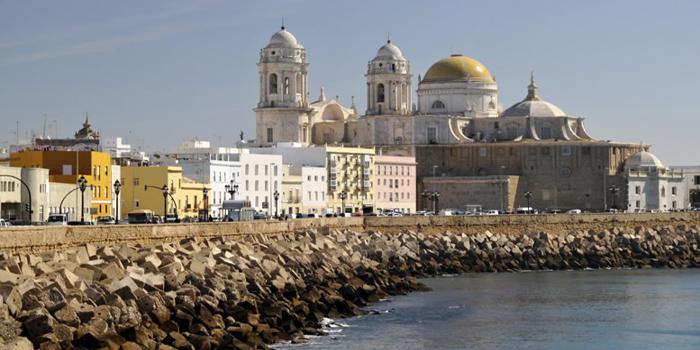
[{"x": 467, "y": 147}]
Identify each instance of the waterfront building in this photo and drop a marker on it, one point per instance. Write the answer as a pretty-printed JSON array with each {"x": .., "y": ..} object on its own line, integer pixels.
[
  {"x": 68, "y": 166},
  {"x": 651, "y": 186},
  {"x": 290, "y": 201},
  {"x": 350, "y": 179},
  {"x": 395, "y": 187},
  {"x": 261, "y": 176},
  {"x": 691, "y": 177},
  {"x": 142, "y": 189},
  {"x": 218, "y": 167},
  {"x": 314, "y": 187}
]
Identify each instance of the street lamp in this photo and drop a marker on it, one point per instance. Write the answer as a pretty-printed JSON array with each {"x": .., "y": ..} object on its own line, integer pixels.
[
  {"x": 425, "y": 194},
  {"x": 528, "y": 195},
  {"x": 232, "y": 189},
  {"x": 82, "y": 184},
  {"x": 435, "y": 197},
  {"x": 276, "y": 195},
  {"x": 613, "y": 191},
  {"x": 164, "y": 189},
  {"x": 205, "y": 202},
  {"x": 117, "y": 189},
  {"x": 343, "y": 196}
]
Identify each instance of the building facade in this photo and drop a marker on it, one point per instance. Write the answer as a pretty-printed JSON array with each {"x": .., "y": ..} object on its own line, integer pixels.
[
  {"x": 653, "y": 187},
  {"x": 261, "y": 176},
  {"x": 395, "y": 187},
  {"x": 68, "y": 166},
  {"x": 350, "y": 179},
  {"x": 142, "y": 189}
]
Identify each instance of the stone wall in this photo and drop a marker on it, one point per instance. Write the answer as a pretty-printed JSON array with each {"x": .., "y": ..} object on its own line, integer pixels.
[
  {"x": 41, "y": 238},
  {"x": 245, "y": 291}
]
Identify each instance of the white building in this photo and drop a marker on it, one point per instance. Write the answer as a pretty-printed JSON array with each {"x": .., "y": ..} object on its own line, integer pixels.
[
  {"x": 260, "y": 177},
  {"x": 313, "y": 189},
  {"x": 691, "y": 176},
  {"x": 116, "y": 147},
  {"x": 652, "y": 186},
  {"x": 216, "y": 169}
]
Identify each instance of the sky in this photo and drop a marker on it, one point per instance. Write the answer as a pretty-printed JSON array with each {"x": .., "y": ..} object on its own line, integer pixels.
[{"x": 162, "y": 72}]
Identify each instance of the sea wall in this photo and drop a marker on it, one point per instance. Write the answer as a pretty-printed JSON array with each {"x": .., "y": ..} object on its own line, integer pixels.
[
  {"x": 43, "y": 238},
  {"x": 246, "y": 291}
]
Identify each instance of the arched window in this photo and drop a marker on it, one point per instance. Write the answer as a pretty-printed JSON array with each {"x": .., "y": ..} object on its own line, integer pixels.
[
  {"x": 438, "y": 105},
  {"x": 286, "y": 86},
  {"x": 380, "y": 93},
  {"x": 273, "y": 83}
]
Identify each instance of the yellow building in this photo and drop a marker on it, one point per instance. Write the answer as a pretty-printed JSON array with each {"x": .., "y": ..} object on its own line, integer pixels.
[
  {"x": 142, "y": 189},
  {"x": 69, "y": 166},
  {"x": 350, "y": 174}
]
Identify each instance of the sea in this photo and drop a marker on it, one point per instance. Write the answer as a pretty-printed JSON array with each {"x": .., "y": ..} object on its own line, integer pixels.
[{"x": 597, "y": 309}]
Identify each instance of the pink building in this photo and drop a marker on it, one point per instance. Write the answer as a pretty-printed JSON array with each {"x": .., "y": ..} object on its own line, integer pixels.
[{"x": 395, "y": 183}]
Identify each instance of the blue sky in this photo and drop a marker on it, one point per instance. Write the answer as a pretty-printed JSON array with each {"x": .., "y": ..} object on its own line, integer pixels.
[{"x": 160, "y": 72}]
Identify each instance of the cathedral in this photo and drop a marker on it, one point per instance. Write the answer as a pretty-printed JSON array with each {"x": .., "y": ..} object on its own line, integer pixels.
[{"x": 467, "y": 147}]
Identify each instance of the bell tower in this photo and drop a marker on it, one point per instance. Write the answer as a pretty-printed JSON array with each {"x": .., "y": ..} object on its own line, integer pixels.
[
  {"x": 389, "y": 82},
  {"x": 283, "y": 90}
]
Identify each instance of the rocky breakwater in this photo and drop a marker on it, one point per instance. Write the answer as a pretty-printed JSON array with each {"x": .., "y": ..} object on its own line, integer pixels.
[{"x": 248, "y": 291}]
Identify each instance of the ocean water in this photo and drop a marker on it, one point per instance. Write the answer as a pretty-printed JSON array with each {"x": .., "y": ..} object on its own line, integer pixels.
[{"x": 609, "y": 309}]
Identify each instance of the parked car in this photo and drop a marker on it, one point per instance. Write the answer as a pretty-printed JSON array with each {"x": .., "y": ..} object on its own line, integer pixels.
[
  {"x": 491, "y": 212},
  {"x": 172, "y": 218},
  {"x": 106, "y": 220},
  {"x": 4, "y": 223},
  {"x": 526, "y": 210},
  {"x": 573, "y": 211},
  {"x": 57, "y": 219},
  {"x": 144, "y": 216},
  {"x": 81, "y": 223}
]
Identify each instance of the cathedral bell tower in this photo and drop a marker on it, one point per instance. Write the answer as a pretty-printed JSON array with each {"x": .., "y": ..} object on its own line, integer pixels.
[
  {"x": 281, "y": 110},
  {"x": 389, "y": 82}
]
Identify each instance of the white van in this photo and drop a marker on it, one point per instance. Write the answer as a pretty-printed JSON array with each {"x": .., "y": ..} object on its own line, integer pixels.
[
  {"x": 57, "y": 219},
  {"x": 4, "y": 223}
]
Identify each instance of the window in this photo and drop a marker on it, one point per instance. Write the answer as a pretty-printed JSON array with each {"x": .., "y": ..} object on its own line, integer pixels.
[
  {"x": 638, "y": 204},
  {"x": 565, "y": 171},
  {"x": 566, "y": 151},
  {"x": 380, "y": 93},
  {"x": 432, "y": 134},
  {"x": 256, "y": 185},
  {"x": 546, "y": 132},
  {"x": 273, "y": 83},
  {"x": 482, "y": 152},
  {"x": 265, "y": 185},
  {"x": 663, "y": 191},
  {"x": 586, "y": 151},
  {"x": 438, "y": 105},
  {"x": 257, "y": 168},
  {"x": 544, "y": 151},
  {"x": 673, "y": 190},
  {"x": 286, "y": 86},
  {"x": 265, "y": 169},
  {"x": 638, "y": 189},
  {"x": 136, "y": 203},
  {"x": 246, "y": 169},
  {"x": 697, "y": 180},
  {"x": 247, "y": 187},
  {"x": 269, "y": 134}
]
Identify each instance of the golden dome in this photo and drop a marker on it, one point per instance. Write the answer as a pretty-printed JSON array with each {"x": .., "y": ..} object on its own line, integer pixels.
[{"x": 457, "y": 67}]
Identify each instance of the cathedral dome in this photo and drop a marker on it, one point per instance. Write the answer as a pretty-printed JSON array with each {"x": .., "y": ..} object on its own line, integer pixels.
[
  {"x": 390, "y": 50},
  {"x": 457, "y": 67},
  {"x": 533, "y": 105},
  {"x": 643, "y": 159},
  {"x": 283, "y": 38}
]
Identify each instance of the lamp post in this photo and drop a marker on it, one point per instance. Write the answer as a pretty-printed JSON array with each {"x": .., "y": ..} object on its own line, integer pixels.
[
  {"x": 435, "y": 197},
  {"x": 164, "y": 189},
  {"x": 613, "y": 191},
  {"x": 276, "y": 195},
  {"x": 342, "y": 196},
  {"x": 424, "y": 194},
  {"x": 117, "y": 189},
  {"x": 528, "y": 195},
  {"x": 82, "y": 185},
  {"x": 205, "y": 202},
  {"x": 232, "y": 189}
]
